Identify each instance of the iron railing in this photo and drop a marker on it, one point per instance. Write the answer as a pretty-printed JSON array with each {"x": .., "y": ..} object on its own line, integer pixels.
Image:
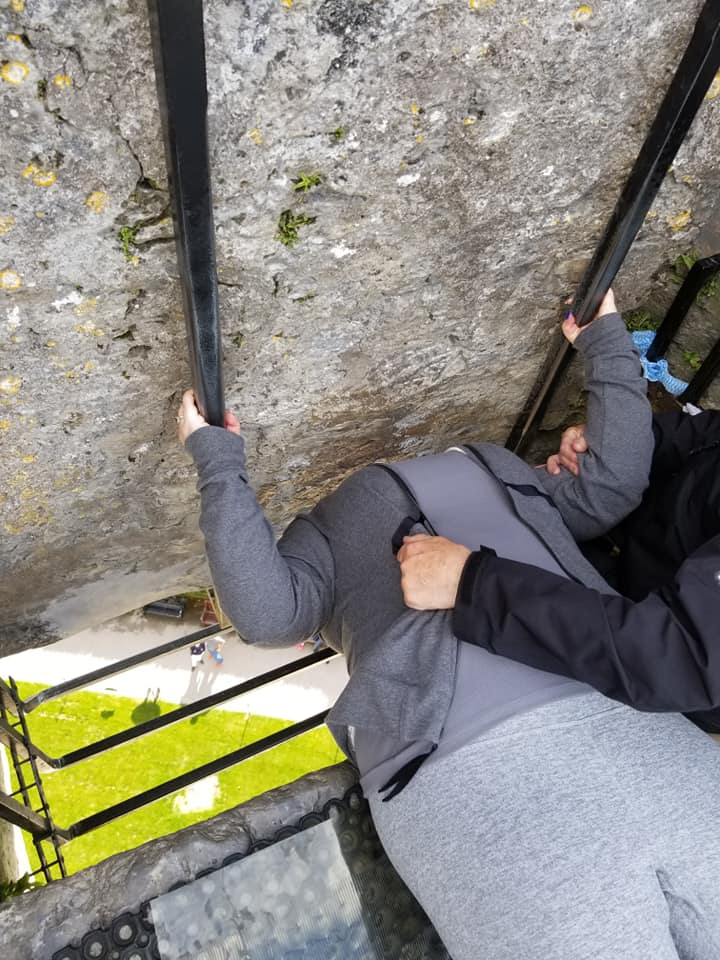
[
  {"x": 700, "y": 273},
  {"x": 692, "y": 79},
  {"x": 179, "y": 51},
  {"x": 33, "y": 815},
  {"x": 36, "y": 820}
]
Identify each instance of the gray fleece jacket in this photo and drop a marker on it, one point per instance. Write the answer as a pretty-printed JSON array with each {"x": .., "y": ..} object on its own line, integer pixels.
[{"x": 334, "y": 570}]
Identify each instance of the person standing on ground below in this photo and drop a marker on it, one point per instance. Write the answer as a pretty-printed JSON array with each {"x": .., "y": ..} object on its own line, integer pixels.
[{"x": 197, "y": 651}]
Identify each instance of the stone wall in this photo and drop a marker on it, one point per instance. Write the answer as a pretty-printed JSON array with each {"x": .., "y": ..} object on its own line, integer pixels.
[{"x": 461, "y": 158}]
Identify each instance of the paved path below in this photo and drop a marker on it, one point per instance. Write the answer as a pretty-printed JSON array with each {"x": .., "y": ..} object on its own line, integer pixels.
[{"x": 170, "y": 678}]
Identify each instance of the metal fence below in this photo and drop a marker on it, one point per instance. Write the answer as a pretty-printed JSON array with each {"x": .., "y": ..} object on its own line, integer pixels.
[{"x": 27, "y": 807}]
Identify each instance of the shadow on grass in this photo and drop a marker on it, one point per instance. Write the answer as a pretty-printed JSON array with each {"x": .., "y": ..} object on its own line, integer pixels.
[{"x": 148, "y": 709}]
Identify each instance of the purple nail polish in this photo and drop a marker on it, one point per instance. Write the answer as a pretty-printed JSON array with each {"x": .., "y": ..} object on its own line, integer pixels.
[{"x": 568, "y": 314}]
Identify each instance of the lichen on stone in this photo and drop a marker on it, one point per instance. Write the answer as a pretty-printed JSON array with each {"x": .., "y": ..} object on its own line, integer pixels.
[
  {"x": 97, "y": 201},
  {"x": 38, "y": 175},
  {"x": 85, "y": 305},
  {"x": 15, "y": 72},
  {"x": 90, "y": 328},
  {"x": 10, "y": 280},
  {"x": 680, "y": 220}
]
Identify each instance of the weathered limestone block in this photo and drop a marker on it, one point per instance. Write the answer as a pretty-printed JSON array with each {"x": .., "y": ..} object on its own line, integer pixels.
[
  {"x": 467, "y": 154},
  {"x": 34, "y": 925}
]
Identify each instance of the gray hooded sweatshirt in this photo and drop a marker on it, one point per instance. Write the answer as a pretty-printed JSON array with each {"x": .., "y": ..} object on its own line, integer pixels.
[{"x": 333, "y": 570}]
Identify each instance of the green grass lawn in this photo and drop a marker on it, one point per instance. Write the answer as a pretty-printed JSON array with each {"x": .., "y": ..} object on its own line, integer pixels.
[{"x": 94, "y": 784}]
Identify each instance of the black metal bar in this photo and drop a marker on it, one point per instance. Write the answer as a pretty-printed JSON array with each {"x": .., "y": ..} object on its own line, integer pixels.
[
  {"x": 179, "y": 49},
  {"x": 52, "y": 693},
  {"x": 188, "y": 710},
  {"x": 554, "y": 366},
  {"x": 192, "y": 776},
  {"x": 53, "y": 835},
  {"x": 12, "y": 739},
  {"x": 698, "y": 276},
  {"x": 21, "y": 816},
  {"x": 10, "y": 736},
  {"x": 694, "y": 75},
  {"x": 703, "y": 378},
  {"x": 7, "y": 702}
]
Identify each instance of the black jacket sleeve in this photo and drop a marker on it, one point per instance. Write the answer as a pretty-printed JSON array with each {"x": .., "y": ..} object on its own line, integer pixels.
[
  {"x": 678, "y": 435},
  {"x": 661, "y": 654}
]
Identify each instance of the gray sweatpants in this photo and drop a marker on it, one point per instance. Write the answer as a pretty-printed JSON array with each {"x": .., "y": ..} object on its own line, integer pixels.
[{"x": 581, "y": 829}]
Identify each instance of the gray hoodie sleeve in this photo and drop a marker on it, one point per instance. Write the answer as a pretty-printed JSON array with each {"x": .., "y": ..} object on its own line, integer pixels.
[
  {"x": 614, "y": 472},
  {"x": 275, "y": 594}
]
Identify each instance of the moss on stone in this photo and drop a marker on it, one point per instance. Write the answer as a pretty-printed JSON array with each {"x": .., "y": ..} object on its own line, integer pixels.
[
  {"x": 13, "y": 888},
  {"x": 640, "y": 319},
  {"x": 306, "y": 181},
  {"x": 682, "y": 266},
  {"x": 692, "y": 359},
  {"x": 289, "y": 225},
  {"x": 126, "y": 236}
]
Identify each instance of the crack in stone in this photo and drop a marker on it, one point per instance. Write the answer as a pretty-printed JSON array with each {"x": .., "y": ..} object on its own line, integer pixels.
[
  {"x": 81, "y": 59},
  {"x": 143, "y": 180},
  {"x": 71, "y": 49},
  {"x": 133, "y": 303},
  {"x": 127, "y": 143},
  {"x": 53, "y": 112},
  {"x": 154, "y": 242}
]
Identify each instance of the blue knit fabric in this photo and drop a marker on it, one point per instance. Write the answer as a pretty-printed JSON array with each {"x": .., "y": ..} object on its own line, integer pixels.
[{"x": 656, "y": 370}]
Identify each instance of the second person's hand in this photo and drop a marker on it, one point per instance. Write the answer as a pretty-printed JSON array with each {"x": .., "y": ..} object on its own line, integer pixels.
[
  {"x": 572, "y": 444},
  {"x": 430, "y": 571}
]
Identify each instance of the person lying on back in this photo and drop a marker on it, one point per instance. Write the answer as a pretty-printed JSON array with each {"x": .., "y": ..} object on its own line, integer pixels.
[{"x": 494, "y": 788}]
